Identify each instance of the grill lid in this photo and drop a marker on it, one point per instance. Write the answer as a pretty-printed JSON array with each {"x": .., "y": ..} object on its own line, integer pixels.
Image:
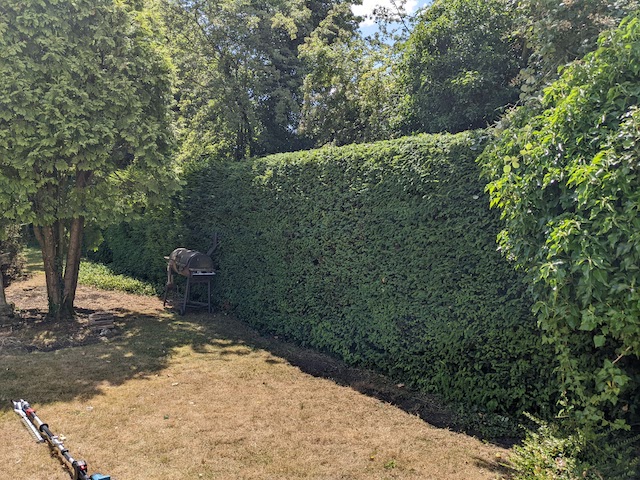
[{"x": 185, "y": 262}]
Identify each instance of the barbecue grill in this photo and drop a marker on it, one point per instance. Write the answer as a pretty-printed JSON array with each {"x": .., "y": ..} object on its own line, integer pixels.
[{"x": 197, "y": 267}]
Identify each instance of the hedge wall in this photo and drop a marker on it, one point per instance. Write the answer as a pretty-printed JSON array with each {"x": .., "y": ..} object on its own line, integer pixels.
[{"x": 381, "y": 254}]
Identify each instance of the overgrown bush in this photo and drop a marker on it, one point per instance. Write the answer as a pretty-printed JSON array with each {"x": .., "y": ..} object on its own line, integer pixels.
[
  {"x": 10, "y": 249},
  {"x": 381, "y": 254},
  {"x": 549, "y": 452},
  {"x": 568, "y": 183}
]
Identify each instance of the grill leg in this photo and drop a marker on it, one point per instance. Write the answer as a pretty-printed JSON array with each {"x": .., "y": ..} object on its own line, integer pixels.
[
  {"x": 187, "y": 292},
  {"x": 209, "y": 293},
  {"x": 169, "y": 286}
]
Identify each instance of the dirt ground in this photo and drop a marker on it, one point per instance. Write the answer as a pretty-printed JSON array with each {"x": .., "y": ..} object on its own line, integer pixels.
[
  {"x": 30, "y": 330},
  {"x": 204, "y": 396}
]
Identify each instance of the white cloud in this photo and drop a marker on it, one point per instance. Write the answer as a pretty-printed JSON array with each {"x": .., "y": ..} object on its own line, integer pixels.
[{"x": 368, "y": 6}]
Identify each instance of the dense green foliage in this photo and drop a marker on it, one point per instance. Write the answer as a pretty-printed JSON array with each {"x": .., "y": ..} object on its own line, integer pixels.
[
  {"x": 567, "y": 182},
  {"x": 83, "y": 110},
  {"x": 382, "y": 254},
  {"x": 349, "y": 90},
  {"x": 84, "y": 123},
  {"x": 11, "y": 260},
  {"x": 240, "y": 72},
  {"x": 282, "y": 75},
  {"x": 459, "y": 65},
  {"x": 557, "y": 33}
]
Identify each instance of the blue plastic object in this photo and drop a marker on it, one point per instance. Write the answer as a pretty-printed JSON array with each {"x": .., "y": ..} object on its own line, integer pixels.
[{"x": 99, "y": 476}]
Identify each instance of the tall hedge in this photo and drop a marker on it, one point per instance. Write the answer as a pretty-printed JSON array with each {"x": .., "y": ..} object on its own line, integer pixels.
[{"x": 382, "y": 254}]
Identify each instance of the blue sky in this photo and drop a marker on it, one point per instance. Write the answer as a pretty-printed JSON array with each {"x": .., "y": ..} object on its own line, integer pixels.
[{"x": 368, "y": 27}]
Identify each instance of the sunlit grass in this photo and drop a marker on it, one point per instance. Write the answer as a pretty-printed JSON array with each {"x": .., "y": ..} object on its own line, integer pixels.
[
  {"x": 92, "y": 274},
  {"x": 224, "y": 407},
  {"x": 101, "y": 276},
  {"x": 33, "y": 260}
]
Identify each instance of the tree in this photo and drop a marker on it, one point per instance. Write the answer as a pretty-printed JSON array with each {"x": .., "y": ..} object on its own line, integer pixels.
[
  {"x": 557, "y": 33},
  {"x": 84, "y": 123},
  {"x": 349, "y": 87},
  {"x": 6, "y": 309},
  {"x": 459, "y": 66},
  {"x": 240, "y": 74},
  {"x": 11, "y": 263}
]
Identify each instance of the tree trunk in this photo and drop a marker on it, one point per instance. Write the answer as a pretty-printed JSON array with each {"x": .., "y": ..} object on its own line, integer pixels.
[
  {"x": 72, "y": 266},
  {"x": 60, "y": 251},
  {"x": 3, "y": 299},
  {"x": 52, "y": 255},
  {"x": 6, "y": 309},
  {"x": 61, "y": 257}
]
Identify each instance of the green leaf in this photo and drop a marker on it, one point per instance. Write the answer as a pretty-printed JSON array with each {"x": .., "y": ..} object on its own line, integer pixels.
[
  {"x": 598, "y": 340},
  {"x": 589, "y": 321},
  {"x": 61, "y": 165}
]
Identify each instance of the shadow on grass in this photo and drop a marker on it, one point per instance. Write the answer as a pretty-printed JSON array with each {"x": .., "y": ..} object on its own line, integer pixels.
[
  {"x": 429, "y": 408},
  {"x": 497, "y": 467},
  {"x": 143, "y": 348}
]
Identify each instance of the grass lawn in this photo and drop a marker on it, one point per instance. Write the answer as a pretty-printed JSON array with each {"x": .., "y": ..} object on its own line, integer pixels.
[{"x": 204, "y": 396}]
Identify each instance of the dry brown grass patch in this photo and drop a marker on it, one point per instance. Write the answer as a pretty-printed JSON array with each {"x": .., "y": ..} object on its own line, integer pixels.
[{"x": 202, "y": 396}]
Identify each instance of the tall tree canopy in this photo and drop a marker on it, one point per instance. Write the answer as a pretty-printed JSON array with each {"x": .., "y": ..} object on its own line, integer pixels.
[
  {"x": 349, "y": 87},
  {"x": 459, "y": 65},
  {"x": 240, "y": 73},
  {"x": 84, "y": 123},
  {"x": 557, "y": 33}
]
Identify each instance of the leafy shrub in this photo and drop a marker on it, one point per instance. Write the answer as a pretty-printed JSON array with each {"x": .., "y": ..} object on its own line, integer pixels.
[
  {"x": 546, "y": 454},
  {"x": 11, "y": 248},
  {"x": 567, "y": 181},
  {"x": 550, "y": 453},
  {"x": 381, "y": 254}
]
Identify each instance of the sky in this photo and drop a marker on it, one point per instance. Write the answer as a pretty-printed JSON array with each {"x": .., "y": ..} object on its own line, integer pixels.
[
  {"x": 368, "y": 6},
  {"x": 368, "y": 27}
]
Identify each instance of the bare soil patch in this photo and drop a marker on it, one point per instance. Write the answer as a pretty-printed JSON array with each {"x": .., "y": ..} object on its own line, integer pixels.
[
  {"x": 31, "y": 330},
  {"x": 204, "y": 396}
]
